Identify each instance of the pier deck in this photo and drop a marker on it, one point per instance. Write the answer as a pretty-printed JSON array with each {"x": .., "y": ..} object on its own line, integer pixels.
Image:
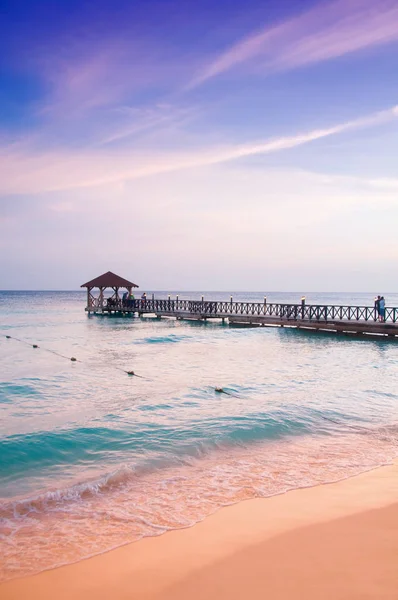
[{"x": 360, "y": 320}]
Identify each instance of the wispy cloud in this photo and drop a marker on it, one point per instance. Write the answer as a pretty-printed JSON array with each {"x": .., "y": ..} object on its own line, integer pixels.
[
  {"x": 388, "y": 185},
  {"x": 325, "y": 32},
  {"x": 99, "y": 91},
  {"x": 84, "y": 75},
  {"x": 135, "y": 121},
  {"x": 30, "y": 171}
]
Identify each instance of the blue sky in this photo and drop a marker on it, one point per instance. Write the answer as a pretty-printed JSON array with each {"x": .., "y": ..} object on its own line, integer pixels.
[{"x": 199, "y": 145}]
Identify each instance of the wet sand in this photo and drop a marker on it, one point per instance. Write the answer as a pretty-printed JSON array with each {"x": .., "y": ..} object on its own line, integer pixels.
[{"x": 335, "y": 541}]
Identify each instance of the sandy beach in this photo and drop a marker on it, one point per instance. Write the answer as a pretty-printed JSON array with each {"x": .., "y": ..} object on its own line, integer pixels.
[{"x": 333, "y": 541}]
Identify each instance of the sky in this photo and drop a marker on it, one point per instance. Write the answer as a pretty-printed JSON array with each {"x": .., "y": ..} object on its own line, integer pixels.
[{"x": 199, "y": 145}]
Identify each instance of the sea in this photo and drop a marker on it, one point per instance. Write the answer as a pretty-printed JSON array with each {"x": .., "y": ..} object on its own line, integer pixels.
[{"x": 92, "y": 458}]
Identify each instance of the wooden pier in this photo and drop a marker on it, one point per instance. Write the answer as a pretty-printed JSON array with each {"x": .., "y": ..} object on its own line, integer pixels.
[
  {"x": 349, "y": 319},
  {"x": 358, "y": 320}
]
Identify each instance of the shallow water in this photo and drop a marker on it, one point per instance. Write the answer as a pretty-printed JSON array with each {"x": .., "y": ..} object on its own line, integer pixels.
[{"x": 84, "y": 447}]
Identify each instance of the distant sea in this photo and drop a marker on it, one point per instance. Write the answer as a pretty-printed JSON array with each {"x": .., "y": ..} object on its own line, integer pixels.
[{"x": 91, "y": 458}]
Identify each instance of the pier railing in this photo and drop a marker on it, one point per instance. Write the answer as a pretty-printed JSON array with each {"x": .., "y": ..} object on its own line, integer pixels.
[{"x": 302, "y": 311}]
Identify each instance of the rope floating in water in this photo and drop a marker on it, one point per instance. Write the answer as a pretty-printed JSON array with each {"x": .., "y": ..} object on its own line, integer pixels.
[
  {"x": 219, "y": 390},
  {"x": 357, "y": 427},
  {"x": 70, "y": 358}
]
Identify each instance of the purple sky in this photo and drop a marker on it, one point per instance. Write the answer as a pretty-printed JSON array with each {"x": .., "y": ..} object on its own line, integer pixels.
[{"x": 199, "y": 145}]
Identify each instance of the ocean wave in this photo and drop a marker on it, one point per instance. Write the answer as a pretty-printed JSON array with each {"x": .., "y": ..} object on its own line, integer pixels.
[
  {"x": 11, "y": 391},
  {"x": 47, "y": 451},
  {"x": 189, "y": 455},
  {"x": 163, "y": 339},
  {"x": 23, "y": 453},
  {"x": 128, "y": 504},
  {"x": 53, "y": 499}
]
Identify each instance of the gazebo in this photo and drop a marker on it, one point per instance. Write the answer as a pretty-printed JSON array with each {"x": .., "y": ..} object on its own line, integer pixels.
[{"x": 106, "y": 281}]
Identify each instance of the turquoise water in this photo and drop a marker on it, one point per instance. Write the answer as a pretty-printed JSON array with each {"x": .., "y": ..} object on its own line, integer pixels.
[{"x": 86, "y": 449}]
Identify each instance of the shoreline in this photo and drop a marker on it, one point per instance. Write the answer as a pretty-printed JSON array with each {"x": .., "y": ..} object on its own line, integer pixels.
[
  {"x": 184, "y": 527},
  {"x": 237, "y": 537}
]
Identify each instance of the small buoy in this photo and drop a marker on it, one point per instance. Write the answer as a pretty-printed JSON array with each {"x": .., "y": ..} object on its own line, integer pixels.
[
  {"x": 71, "y": 358},
  {"x": 219, "y": 390}
]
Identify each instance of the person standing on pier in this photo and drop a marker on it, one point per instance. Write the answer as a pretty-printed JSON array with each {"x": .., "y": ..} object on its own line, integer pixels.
[
  {"x": 377, "y": 307},
  {"x": 382, "y": 310}
]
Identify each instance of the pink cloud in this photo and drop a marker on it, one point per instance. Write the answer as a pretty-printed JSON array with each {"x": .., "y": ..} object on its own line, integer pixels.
[
  {"x": 27, "y": 171},
  {"x": 103, "y": 72},
  {"x": 323, "y": 33}
]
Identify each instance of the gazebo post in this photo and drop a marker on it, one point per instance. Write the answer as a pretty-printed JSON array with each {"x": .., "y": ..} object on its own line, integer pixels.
[{"x": 101, "y": 297}]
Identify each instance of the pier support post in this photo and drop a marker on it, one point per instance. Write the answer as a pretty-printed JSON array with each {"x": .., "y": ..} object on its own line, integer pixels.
[{"x": 101, "y": 297}]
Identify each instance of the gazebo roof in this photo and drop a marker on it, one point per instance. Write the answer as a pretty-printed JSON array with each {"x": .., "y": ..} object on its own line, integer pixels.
[{"x": 109, "y": 279}]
